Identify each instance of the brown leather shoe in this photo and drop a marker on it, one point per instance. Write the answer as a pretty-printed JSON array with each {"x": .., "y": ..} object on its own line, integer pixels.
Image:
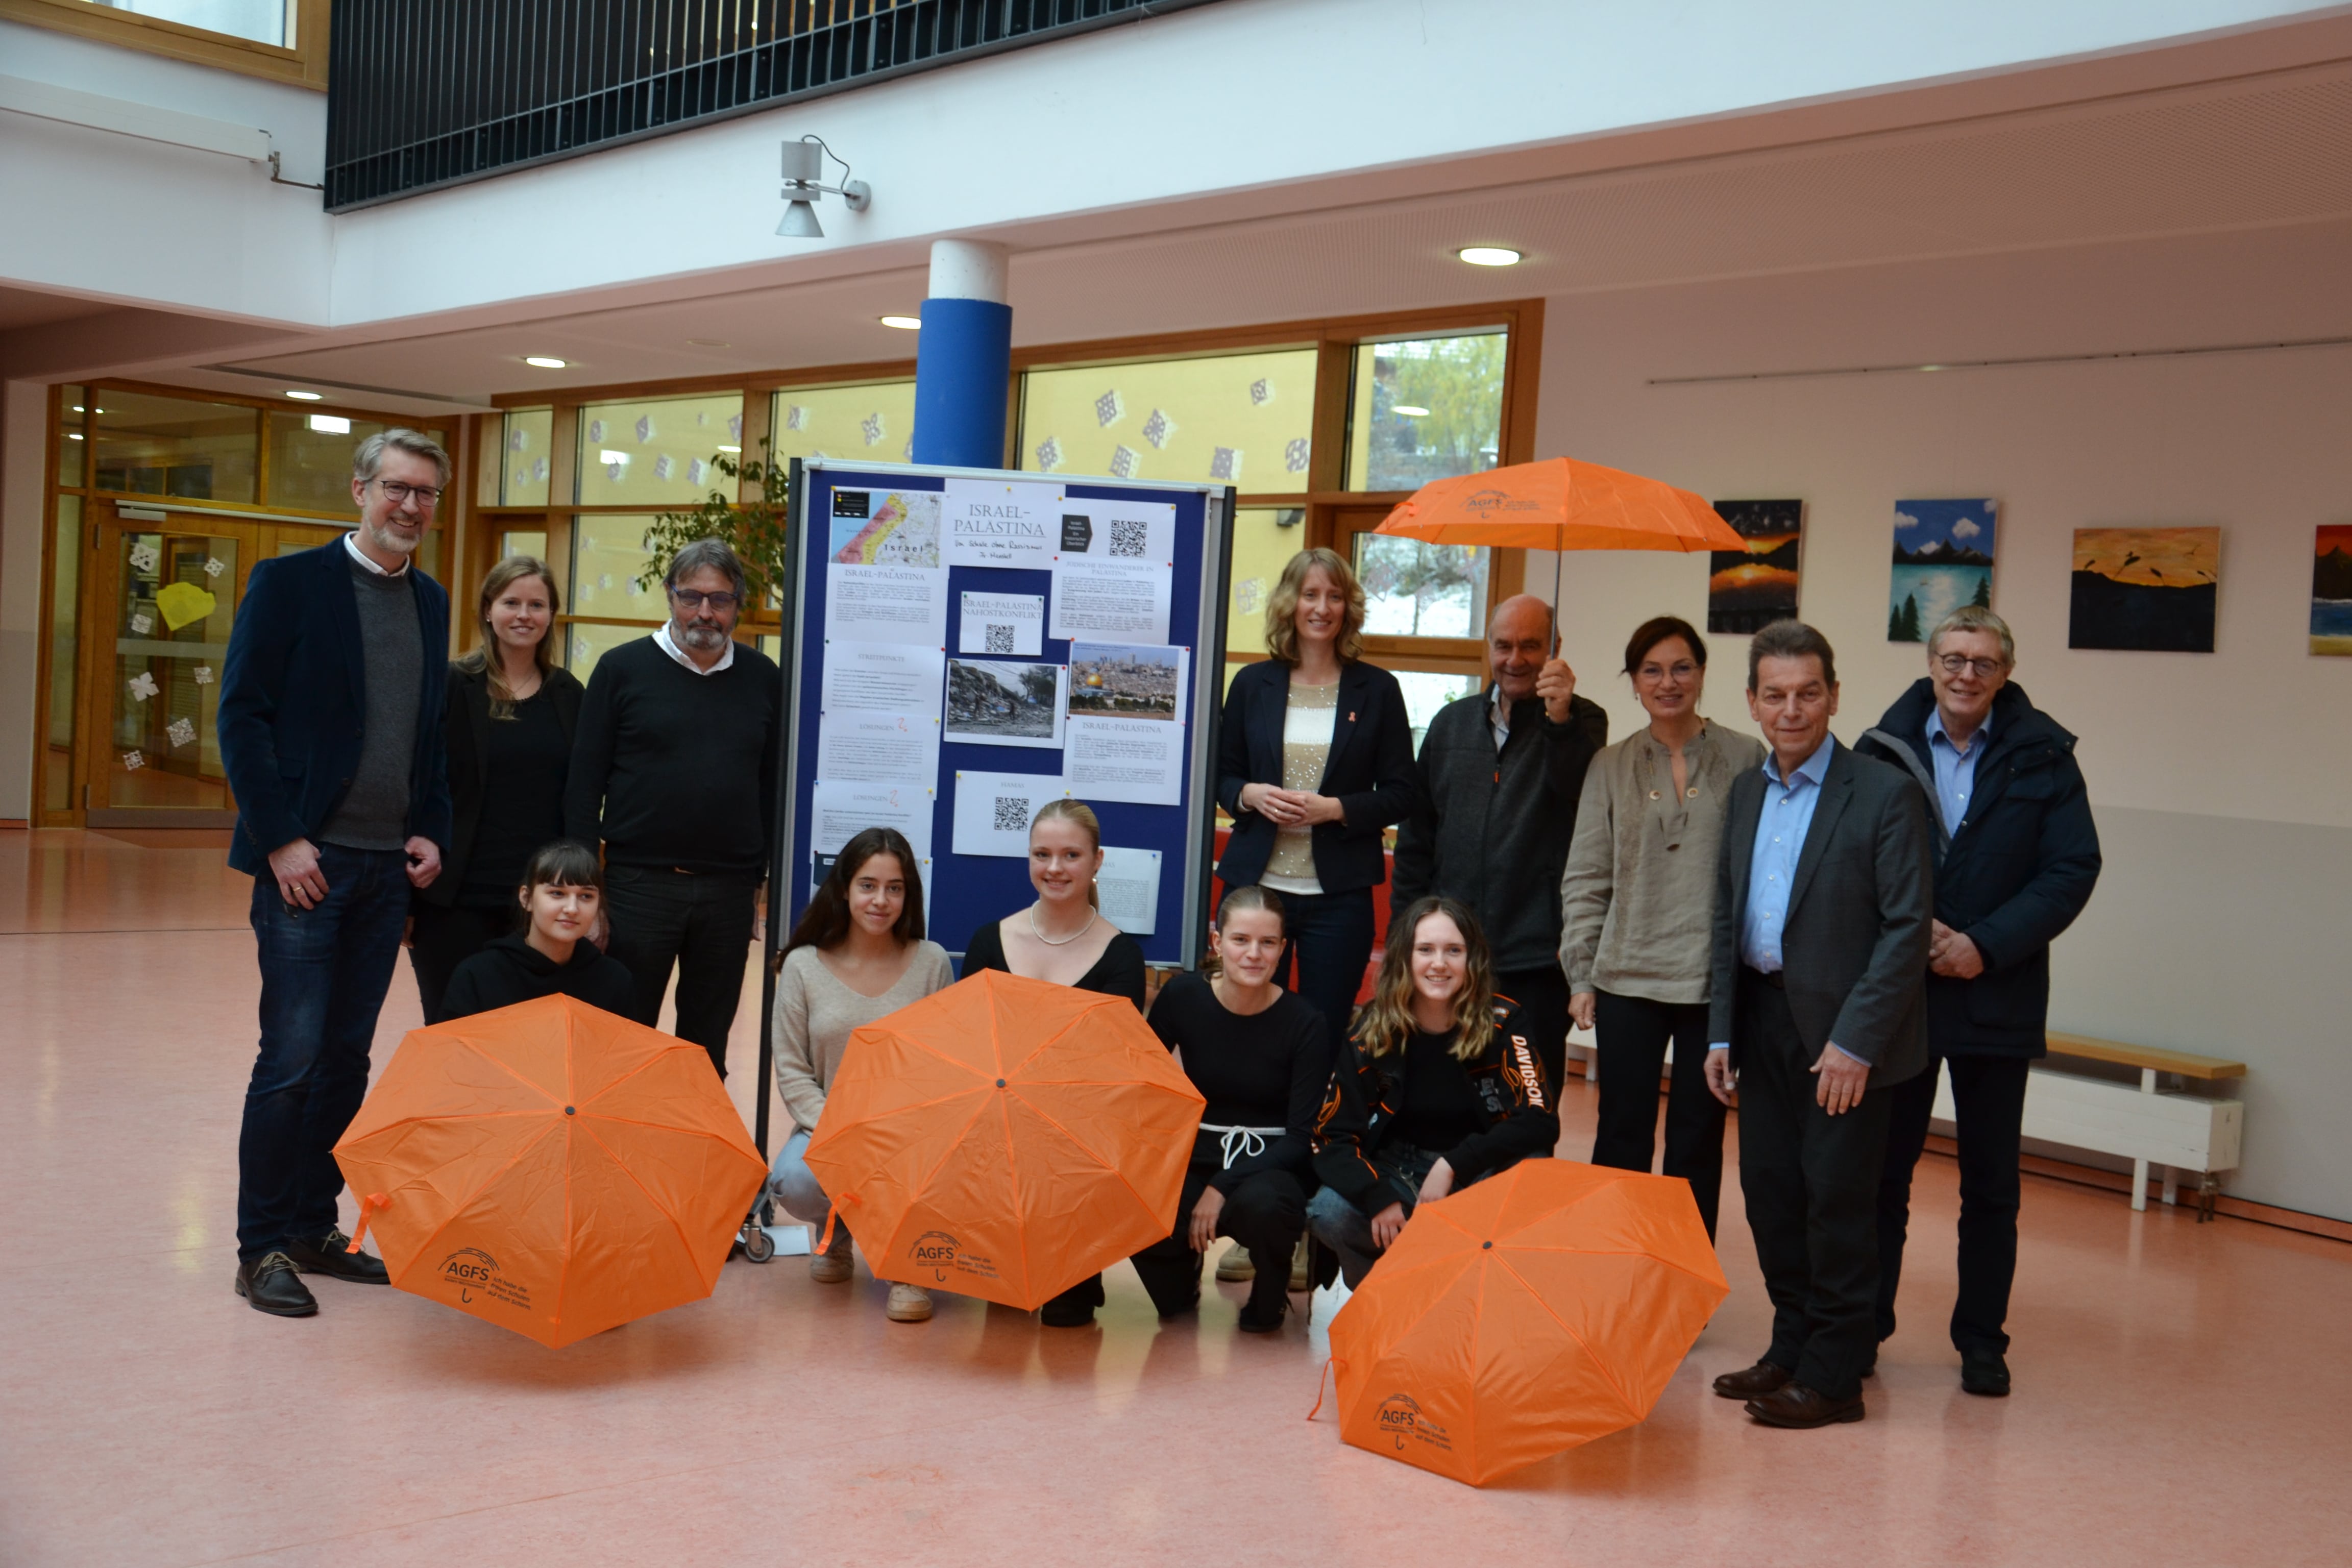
[
  {"x": 1760, "y": 1379},
  {"x": 1797, "y": 1406}
]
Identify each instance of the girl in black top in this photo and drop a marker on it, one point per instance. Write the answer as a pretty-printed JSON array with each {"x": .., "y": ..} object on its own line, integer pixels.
[
  {"x": 510, "y": 715},
  {"x": 562, "y": 891},
  {"x": 1256, "y": 1053},
  {"x": 1063, "y": 938},
  {"x": 1437, "y": 1089}
]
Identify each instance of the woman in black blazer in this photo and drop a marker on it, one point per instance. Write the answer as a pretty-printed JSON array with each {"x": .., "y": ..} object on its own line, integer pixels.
[
  {"x": 1314, "y": 759},
  {"x": 511, "y": 716}
]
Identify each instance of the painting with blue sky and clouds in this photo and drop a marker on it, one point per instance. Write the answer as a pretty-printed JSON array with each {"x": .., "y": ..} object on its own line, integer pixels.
[{"x": 1943, "y": 560}]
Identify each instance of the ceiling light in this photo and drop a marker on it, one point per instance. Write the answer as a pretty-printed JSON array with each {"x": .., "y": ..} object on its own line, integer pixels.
[
  {"x": 78, "y": 408},
  {"x": 330, "y": 424},
  {"x": 730, "y": 448},
  {"x": 1489, "y": 256},
  {"x": 73, "y": 434},
  {"x": 1408, "y": 410},
  {"x": 307, "y": 396},
  {"x": 609, "y": 456},
  {"x": 804, "y": 164},
  {"x": 904, "y": 323},
  {"x": 544, "y": 361}
]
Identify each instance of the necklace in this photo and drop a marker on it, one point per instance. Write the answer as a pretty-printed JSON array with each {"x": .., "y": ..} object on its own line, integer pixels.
[{"x": 1060, "y": 941}]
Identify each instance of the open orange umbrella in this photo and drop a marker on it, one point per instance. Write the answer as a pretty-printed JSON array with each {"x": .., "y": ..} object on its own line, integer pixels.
[
  {"x": 1559, "y": 505},
  {"x": 1005, "y": 1138},
  {"x": 1536, "y": 1310},
  {"x": 550, "y": 1168}
]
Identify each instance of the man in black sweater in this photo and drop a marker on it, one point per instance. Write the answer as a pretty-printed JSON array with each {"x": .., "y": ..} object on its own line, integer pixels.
[
  {"x": 1501, "y": 773},
  {"x": 674, "y": 769}
]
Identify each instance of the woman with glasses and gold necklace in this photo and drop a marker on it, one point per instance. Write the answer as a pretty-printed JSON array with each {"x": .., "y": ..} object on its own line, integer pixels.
[{"x": 1063, "y": 938}]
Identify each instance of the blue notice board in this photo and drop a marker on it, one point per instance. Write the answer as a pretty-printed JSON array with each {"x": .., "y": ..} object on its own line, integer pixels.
[{"x": 966, "y": 891}]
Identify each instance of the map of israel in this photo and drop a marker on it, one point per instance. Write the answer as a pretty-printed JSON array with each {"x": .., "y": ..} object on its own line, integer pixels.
[{"x": 886, "y": 528}]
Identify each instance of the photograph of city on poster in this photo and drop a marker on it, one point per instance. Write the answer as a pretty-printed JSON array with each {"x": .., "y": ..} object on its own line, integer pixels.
[
  {"x": 1747, "y": 590},
  {"x": 1943, "y": 560},
  {"x": 2331, "y": 591},
  {"x": 1113, "y": 681},
  {"x": 2145, "y": 589}
]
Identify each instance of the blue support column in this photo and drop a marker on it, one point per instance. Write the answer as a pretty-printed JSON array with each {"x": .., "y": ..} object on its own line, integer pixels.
[{"x": 961, "y": 371}]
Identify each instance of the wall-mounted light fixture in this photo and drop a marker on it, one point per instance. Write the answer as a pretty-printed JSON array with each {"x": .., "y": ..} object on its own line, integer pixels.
[{"x": 804, "y": 168}]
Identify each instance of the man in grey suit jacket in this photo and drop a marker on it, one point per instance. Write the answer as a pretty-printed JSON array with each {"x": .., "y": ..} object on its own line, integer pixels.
[{"x": 1824, "y": 897}]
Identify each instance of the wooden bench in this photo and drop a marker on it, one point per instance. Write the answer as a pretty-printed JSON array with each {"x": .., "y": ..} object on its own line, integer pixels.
[{"x": 2149, "y": 1125}]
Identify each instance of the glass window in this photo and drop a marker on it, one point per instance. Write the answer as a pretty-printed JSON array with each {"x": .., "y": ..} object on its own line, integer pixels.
[
  {"x": 1265, "y": 539},
  {"x": 65, "y": 651},
  {"x": 1416, "y": 590},
  {"x": 1239, "y": 419},
  {"x": 263, "y": 21},
  {"x": 632, "y": 453},
  {"x": 876, "y": 421},
  {"x": 311, "y": 459},
  {"x": 523, "y": 470},
  {"x": 588, "y": 641},
  {"x": 523, "y": 542},
  {"x": 607, "y": 553},
  {"x": 152, "y": 445},
  {"x": 1425, "y": 408},
  {"x": 1425, "y": 693},
  {"x": 71, "y": 444}
]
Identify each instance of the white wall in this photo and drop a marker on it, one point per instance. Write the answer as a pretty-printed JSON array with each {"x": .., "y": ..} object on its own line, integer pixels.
[{"x": 2220, "y": 780}]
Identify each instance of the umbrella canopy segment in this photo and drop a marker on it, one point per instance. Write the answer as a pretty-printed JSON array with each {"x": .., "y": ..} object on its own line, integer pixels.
[
  {"x": 1532, "y": 1313},
  {"x": 1561, "y": 504},
  {"x": 1005, "y": 1138},
  {"x": 552, "y": 1168}
]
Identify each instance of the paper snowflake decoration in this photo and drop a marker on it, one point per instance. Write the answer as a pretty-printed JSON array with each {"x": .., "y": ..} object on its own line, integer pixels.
[
  {"x": 1225, "y": 463},
  {"x": 1294, "y": 455},
  {"x": 696, "y": 472},
  {"x": 1158, "y": 428},
  {"x": 1110, "y": 409},
  {"x": 1251, "y": 595},
  {"x": 596, "y": 431},
  {"x": 872, "y": 427},
  {"x": 703, "y": 418},
  {"x": 613, "y": 471},
  {"x": 1123, "y": 462},
  {"x": 1262, "y": 391},
  {"x": 142, "y": 686},
  {"x": 141, "y": 623},
  {"x": 735, "y": 426},
  {"x": 538, "y": 470},
  {"x": 663, "y": 467},
  {"x": 522, "y": 475},
  {"x": 182, "y": 732},
  {"x": 644, "y": 429},
  {"x": 133, "y": 762},
  {"x": 1049, "y": 453},
  {"x": 603, "y": 580},
  {"x": 518, "y": 439},
  {"x": 203, "y": 675},
  {"x": 144, "y": 557},
  {"x": 907, "y": 452},
  {"x": 214, "y": 565},
  {"x": 796, "y": 418}
]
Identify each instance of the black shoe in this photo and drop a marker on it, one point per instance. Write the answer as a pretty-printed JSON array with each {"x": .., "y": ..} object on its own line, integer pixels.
[
  {"x": 1754, "y": 1381},
  {"x": 1985, "y": 1373},
  {"x": 1060, "y": 1314},
  {"x": 1799, "y": 1408},
  {"x": 1269, "y": 1321},
  {"x": 330, "y": 1254},
  {"x": 270, "y": 1284}
]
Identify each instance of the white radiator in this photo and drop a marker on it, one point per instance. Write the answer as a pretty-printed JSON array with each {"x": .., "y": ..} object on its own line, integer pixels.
[{"x": 2145, "y": 1126}]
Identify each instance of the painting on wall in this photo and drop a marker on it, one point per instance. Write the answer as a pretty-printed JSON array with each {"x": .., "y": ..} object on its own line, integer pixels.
[
  {"x": 2331, "y": 592},
  {"x": 1747, "y": 590},
  {"x": 1943, "y": 560},
  {"x": 2145, "y": 589}
]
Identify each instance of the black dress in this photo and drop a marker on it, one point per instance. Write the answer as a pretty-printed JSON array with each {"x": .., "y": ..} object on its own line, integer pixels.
[{"x": 1120, "y": 972}]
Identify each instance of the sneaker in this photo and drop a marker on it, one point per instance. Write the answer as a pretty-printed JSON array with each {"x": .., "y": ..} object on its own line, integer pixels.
[
  {"x": 1299, "y": 1279},
  {"x": 1235, "y": 1266},
  {"x": 832, "y": 1267},
  {"x": 908, "y": 1304}
]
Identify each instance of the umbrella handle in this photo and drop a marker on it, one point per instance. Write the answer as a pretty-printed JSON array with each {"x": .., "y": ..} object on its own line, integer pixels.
[
  {"x": 368, "y": 1205},
  {"x": 1328, "y": 1362}
]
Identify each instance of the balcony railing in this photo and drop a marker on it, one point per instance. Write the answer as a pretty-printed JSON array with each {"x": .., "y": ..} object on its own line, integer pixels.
[{"x": 426, "y": 93}]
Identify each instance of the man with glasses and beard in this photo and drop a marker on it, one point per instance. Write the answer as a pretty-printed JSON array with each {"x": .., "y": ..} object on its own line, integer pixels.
[
  {"x": 330, "y": 726},
  {"x": 674, "y": 769}
]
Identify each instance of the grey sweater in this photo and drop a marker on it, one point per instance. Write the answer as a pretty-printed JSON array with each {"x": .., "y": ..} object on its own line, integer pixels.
[
  {"x": 374, "y": 812},
  {"x": 815, "y": 1015}
]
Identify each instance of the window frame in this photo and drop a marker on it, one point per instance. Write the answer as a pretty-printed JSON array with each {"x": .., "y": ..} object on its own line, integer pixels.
[{"x": 304, "y": 64}]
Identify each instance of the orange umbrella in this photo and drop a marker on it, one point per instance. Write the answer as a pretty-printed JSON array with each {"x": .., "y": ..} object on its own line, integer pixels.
[
  {"x": 550, "y": 1168},
  {"x": 1536, "y": 1310},
  {"x": 1005, "y": 1138}
]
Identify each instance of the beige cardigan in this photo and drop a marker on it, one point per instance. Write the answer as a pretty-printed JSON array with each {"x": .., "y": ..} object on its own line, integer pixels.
[
  {"x": 815, "y": 1013},
  {"x": 1637, "y": 899}
]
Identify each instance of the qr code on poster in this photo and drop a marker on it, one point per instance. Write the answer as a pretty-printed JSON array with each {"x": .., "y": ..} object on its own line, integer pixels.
[
  {"x": 1127, "y": 538},
  {"x": 1012, "y": 814},
  {"x": 1000, "y": 638}
]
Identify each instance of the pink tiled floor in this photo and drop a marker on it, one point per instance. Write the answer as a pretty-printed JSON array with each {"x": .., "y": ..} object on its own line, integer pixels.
[{"x": 2184, "y": 1393}]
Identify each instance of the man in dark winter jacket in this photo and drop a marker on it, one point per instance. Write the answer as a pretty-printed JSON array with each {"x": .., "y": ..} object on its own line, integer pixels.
[
  {"x": 2016, "y": 858},
  {"x": 1500, "y": 776}
]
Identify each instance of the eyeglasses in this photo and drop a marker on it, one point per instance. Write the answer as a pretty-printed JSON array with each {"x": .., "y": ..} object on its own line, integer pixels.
[
  {"x": 1681, "y": 670},
  {"x": 398, "y": 494},
  {"x": 1954, "y": 663},
  {"x": 692, "y": 600}
]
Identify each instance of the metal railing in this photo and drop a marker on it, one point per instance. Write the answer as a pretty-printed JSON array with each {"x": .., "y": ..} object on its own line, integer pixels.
[{"x": 426, "y": 93}]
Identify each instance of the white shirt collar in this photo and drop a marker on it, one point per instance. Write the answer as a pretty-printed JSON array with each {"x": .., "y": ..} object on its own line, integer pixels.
[
  {"x": 351, "y": 543},
  {"x": 662, "y": 640}
]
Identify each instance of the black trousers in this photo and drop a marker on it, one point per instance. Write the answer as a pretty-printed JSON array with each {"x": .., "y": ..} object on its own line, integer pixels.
[
  {"x": 445, "y": 938},
  {"x": 1330, "y": 943},
  {"x": 700, "y": 923},
  {"x": 1632, "y": 1032},
  {"x": 1989, "y": 1101},
  {"x": 1810, "y": 1180},
  {"x": 1542, "y": 996},
  {"x": 1265, "y": 1212}
]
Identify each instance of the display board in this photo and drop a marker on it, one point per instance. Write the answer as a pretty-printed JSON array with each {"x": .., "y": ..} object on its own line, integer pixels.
[{"x": 960, "y": 646}]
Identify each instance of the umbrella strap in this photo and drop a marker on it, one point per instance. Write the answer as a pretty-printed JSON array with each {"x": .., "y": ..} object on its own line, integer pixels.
[
  {"x": 833, "y": 1212},
  {"x": 368, "y": 1205},
  {"x": 1328, "y": 1362}
]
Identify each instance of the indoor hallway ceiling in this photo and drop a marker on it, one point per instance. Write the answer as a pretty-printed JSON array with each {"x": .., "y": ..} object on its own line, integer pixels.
[{"x": 2257, "y": 152}]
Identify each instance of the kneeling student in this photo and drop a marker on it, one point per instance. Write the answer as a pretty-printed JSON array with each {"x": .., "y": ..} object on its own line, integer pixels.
[
  {"x": 1256, "y": 1053},
  {"x": 1436, "y": 1090},
  {"x": 562, "y": 888}
]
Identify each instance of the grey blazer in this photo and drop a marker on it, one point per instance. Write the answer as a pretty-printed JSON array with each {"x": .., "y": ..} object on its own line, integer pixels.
[{"x": 1855, "y": 950}]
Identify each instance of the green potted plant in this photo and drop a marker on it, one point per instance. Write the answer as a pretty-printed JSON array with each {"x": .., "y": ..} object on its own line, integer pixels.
[{"x": 754, "y": 528}]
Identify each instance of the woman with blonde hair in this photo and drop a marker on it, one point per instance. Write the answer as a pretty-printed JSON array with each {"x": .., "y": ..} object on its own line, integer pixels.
[
  {"x": 1438, "y": 1088},
  {"x": 1313, "y": 761},
  {"x": 1062, "y": 937},
  {"x": 508, "y": 725}
]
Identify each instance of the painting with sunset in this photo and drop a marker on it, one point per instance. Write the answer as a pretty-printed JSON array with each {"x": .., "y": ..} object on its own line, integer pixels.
[
  {"x": 2331, "y": 591},
  {"x": 1747, "y": 590},
  {"x": 2145, "y": 589}
]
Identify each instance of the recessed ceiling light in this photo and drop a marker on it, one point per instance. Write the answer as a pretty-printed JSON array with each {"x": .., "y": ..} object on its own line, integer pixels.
[
  {"x": 330, "y": 424},
  {"x": 306, "y": 396},
  {"x": 1408, "y": 410},
  {"x": 73, "y": 434},
  {"x": 706, "y": 342},
  {"x": 730, "y": 448},
  {"x": 904, "y": 323},
  {"x": 1489, "y": 256},
  {"x": 612, "y": 457},
  {"x": 544, "y": 361}
]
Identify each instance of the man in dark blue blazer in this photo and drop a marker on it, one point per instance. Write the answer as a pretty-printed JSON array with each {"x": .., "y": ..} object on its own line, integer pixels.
[{"x": 330, "y": 735}]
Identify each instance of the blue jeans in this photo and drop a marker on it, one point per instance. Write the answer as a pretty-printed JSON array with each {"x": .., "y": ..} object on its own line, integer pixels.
[
  {"x": 324, "y": 973},
  {"x": 1339, "y": 1224},
  {"x": 794, "y": 1187},
  {"x": 1331, "y": 940}
]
